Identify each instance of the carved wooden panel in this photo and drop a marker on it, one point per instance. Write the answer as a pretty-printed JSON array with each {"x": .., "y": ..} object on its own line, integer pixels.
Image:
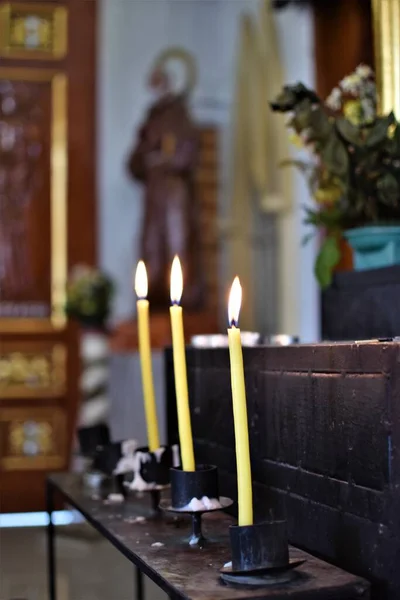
[
  {"x": 35, "y": 370},
  {"x": 42, "y": 153},
  {"x": 31, "y": 156},
  {"x": 33, "y": 438},
  {"x": 24, "y": 195}
]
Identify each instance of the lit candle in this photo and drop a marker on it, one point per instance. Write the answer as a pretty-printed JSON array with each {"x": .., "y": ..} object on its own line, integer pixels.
[
  {"x": 145, "y": 357},
  {"x": 245, "y": 494},
  {"x": 181, "y": 387}
]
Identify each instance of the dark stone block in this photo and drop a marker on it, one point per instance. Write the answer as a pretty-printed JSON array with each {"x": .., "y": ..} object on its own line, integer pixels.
[
  {"x": 324, "y": 425},
  {"x": 362, "y": 305}
]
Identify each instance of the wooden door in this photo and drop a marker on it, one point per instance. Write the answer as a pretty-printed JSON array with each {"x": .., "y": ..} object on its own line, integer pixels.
[{"x": 47, "y": 224}]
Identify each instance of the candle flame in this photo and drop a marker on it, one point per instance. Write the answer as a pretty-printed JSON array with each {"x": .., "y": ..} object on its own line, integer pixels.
[
  {"x": 235, "y": 301},
  {"x": 176, "y": 281},
  {"x": 141, "y": 285}
]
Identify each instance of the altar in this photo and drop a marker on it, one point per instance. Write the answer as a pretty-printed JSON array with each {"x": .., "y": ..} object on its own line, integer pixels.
[{"x": 324, "y": 441}]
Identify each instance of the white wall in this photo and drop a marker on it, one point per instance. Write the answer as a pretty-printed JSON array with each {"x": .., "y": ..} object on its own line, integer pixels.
[
  {"x": 131, "y": 33},
  {"x": 299, "y": 291}
]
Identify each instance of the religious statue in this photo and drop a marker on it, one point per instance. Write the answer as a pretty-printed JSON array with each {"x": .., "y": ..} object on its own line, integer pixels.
[{"x": 164, "y": 159}]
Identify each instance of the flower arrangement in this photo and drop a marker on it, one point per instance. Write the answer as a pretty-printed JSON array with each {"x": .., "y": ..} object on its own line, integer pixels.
[
  {"x": 89, "y": 295},
  {"x": 354, "y": 173}
]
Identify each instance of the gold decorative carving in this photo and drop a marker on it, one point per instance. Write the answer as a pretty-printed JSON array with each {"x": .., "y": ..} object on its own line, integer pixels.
[
  {"x": 58, "y": 185},
  {"x": 30, "y": 438},
  {"x": 33, "y": 374},
  {"x": 33, "y": 30},
  {"x": 34, "y": 438},
  {"x": 386, "y": 21}
]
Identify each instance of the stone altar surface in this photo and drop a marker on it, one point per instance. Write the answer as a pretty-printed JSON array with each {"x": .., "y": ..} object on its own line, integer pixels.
[{"x": 189, "y": 573}]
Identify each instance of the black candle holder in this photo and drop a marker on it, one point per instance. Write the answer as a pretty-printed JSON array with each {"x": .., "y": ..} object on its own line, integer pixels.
[
  {"x": 189, "y": 485},
  {"x": 195, "y": 493},
  {"x": 92, "y": 438},
  {"x": 101, "y": 477},
  {"x": 260, "y": 554},
  {"x": 106, "y": 457},
  {"x": 105, "y": 460},
  {"x": 151, "y": 472}
]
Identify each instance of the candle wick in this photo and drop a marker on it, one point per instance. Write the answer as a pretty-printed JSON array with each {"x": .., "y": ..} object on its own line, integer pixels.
[
  {"x": 234, "y": 324},
  {"x": 175, "y": 303}
]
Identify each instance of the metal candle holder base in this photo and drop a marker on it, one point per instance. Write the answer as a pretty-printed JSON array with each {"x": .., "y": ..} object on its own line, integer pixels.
[
  {"x": 195, "y": 493},
  {"x": 196, "y": 539},
  {"x": 260, "y": 554}
]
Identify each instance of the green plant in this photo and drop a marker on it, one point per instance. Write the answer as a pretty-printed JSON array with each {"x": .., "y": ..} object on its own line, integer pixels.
[
  {"x": 354, "y": 174},
  {"x": 89, "y": 295}
]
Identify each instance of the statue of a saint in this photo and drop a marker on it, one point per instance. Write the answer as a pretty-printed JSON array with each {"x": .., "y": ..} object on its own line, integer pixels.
[{"x": 164, "y": 159}]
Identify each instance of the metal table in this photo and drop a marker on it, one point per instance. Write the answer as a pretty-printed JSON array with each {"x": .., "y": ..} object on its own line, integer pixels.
[{"x": 157, "y": 548}]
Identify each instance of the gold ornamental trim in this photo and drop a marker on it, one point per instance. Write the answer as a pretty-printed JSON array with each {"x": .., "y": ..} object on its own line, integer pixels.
[
  {"x": 33, "y": 31},
  {"x": 59, "y": 184},
  {"x": 34, "y": 439},
  {"x": 58, "y": 201},
  {"x": 386, "y": 24},
  {"x": 32, "y": 374}
]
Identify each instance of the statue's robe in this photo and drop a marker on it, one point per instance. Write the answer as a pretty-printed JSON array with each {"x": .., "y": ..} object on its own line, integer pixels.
[{"x": 164, "y": 160}]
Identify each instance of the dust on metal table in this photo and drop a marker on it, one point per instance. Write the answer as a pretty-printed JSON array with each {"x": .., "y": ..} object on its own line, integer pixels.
[{"x": 158, "y": 549}]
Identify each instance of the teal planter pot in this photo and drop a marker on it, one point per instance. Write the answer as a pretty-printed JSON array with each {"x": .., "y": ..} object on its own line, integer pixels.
[{"x": 374, "y": 247}]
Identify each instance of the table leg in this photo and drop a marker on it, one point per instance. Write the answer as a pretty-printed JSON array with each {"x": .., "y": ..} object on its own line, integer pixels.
[
  {"x": 51, "y": 558},
  {"x": 139, "y": 587}
]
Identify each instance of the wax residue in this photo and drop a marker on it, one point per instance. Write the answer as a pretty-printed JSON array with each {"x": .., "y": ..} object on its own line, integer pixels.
[
  {"x": 126, "y": 463},
  {"x": 134, "y": 520},
  {"x": 204, "y": 503},
  {"x": 115, "y": 498},
  {"x": 139, "y": 484},
  {"x": 158, "y": 454}
]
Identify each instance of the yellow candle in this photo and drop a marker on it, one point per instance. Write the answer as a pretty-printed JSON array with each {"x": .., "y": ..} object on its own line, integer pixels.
[
  {"x": 245, "y": 493},
  {"x": 142, "y": 305},
  {"x": 181, "y": 387}
]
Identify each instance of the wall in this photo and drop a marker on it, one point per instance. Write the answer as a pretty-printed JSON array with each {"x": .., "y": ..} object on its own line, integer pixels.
[
  {"x": 131, "y": 33},
  {"x": 298, "y": 289}
]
